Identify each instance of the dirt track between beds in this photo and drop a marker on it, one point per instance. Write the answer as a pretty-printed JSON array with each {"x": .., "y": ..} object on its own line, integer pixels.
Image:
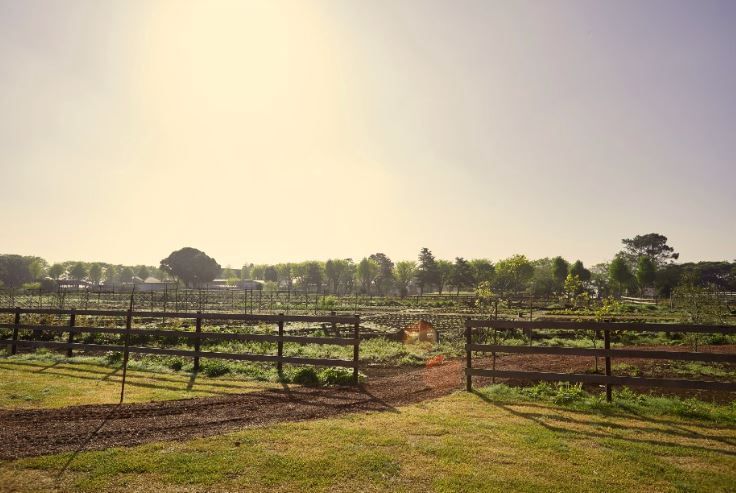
[{"x": 26, "y": 433}]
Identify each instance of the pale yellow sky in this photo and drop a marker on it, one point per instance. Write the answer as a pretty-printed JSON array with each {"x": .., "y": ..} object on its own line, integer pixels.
[{"x": 290, "y": 130}]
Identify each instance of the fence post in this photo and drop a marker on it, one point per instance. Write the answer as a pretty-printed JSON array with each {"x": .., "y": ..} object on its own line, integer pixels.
[
  {"x": 14, "y": 346},
  {"x": 334, "y": 325},
  {"x": 607, "y": 347},
  {"x": 197, "y": 330},
  {"x": 126, "y": 353},
  {"x": 70, "y": 340},
  {"x": 280, "y": 344},
  {"x": 468, "y": 356},
  {"x": 531, "y": 310},
  {"x": 356, "y": 348}
]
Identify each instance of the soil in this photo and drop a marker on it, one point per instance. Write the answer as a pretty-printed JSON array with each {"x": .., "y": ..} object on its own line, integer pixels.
[
  {"x": 46, "y": 431},
  {"x": 94, "y": 427}
]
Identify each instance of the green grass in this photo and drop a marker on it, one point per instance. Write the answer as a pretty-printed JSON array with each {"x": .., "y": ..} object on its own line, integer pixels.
[
  {"x": 495, "y": 440},
  {"x": 625, "y": 401},
  {"x": 42, "y": 381},
  {"x": 51, "y": 380}
]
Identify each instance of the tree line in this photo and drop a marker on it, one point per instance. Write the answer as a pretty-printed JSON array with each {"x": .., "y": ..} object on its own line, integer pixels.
[
  {"x": 35, "y": 272},
  {"x": 645, "y": 265}
]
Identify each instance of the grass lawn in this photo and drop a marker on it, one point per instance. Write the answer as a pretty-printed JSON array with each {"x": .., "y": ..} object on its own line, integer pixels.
[
  {"x": 35, "y": 383},
  {"x": 494, "y": 440}
]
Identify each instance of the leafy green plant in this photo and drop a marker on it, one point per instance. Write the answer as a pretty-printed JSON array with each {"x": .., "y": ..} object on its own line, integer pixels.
[
  {"x": 307, "y": 376},
  {"x": 214, "y": 368},
  {"x": 113, "y": 357},
  {"x": 338, "y": 376},
  {"x": 567, "y": 393}
]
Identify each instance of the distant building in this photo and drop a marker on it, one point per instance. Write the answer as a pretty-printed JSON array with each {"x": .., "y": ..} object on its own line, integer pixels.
[
  {"x": 218, "y": 284},
  {"x": 74, "y": 284},
  {"x": 153, "y": 284},
  {"x": 250, "y": 284},
  {"x": 239, "y": 284}
]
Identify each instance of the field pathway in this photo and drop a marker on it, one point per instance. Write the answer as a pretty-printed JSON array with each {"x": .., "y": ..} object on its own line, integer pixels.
[{"x": 25, "y": 433}]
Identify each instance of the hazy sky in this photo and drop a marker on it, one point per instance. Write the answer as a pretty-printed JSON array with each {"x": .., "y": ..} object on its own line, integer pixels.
[{"x": 272, "y": 131}]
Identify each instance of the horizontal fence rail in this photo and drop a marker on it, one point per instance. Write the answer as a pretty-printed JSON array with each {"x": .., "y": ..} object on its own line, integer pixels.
[
  {"x": 197, "y": 336},
  {"x": 472, "y": 328}
]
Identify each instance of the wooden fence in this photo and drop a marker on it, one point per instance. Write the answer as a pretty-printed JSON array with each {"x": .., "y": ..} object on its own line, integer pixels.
[
  {"x": 197, "y": 336},
  {"x": 247, "y": 301},
  {"x": 473, "y": 328}
]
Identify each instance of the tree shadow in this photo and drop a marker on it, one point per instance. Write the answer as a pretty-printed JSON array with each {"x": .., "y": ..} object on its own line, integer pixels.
[
  {"x": 192, "y": 379},
  {"x": 47, "y": 367},
  {"x": 101, "y": 370},
  {"x": 87, "y": 440},
  {"x": 542, "y": 419}
]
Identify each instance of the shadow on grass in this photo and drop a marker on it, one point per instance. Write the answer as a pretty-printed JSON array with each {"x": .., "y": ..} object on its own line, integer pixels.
[
  {"x": 133, "y": 380},
  {"x": 86, "y": 441},
  {"x": 544, "y": 420},
  {"x": 150, "y": 375}
]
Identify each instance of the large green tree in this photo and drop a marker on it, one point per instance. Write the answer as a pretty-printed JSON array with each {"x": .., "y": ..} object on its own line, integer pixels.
[
  {"x": 284, "y": 274},
  {"x": 111, "y": 274},
  {"x": 444, "y": 274},
  {"x": 560, "y": 270},
  {"x": 483, "y": 271},
  {"x": 36, "y": 268},
  {"x": 270, "y": 274},
  {"x": 367, "y": 272},
  {"x": 646, "y": 272},
  {"x": 462, "y": 274},
  {"x": 652, "y": 245},
  {"x": 427, "y": 273},
  {"x": 543, "y": 280},
  {"x": 618, "y": 271},
  {"x": 56, "y": 271},
  {"x": 578, "y": 269},
  {"x": 513, "y": 273},
  {"x": 95, "y": 273},
  {"x": 78, "y": 271},
  {"x": 314, "y": 274},
  {"x": 404, "y": 273},
  {"x": 14, "y": 270},
  {"x": 385, "y": 278},
  {"x": 192, "y": 266},
  {"x": 339, "y": 273}
]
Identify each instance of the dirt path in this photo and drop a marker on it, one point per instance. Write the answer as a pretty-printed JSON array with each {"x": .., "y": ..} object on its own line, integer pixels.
[{"x": 47, "y": 431}]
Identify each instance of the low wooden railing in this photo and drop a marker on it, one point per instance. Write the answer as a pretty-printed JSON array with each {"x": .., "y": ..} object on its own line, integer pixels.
[
  {"x": 72, "y": 329},
  {"x": 472, "y": 327}
]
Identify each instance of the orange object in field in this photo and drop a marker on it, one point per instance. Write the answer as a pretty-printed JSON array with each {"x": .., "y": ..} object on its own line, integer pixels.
[
  {"x": 437, "y": 360},
  {"x": 421, "y": 331}
]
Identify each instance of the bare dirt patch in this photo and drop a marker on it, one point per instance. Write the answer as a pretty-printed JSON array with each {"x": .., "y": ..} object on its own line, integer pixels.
[
  {"x": 46, "y": 431},
  {"x": 94, "y": 427}
]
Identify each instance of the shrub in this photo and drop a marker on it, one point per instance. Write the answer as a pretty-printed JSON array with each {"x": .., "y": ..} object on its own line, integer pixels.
[
  {"x": 214, "y": 368},
  {"x": 567, "y": 393},
  {"x": 307, "y": 377},
  {"x": 113, "y": 357},
  {"x": 541, "y": 391},
  {"x": 338, "y": 376},
  {"x": 176, "y": 364}
]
